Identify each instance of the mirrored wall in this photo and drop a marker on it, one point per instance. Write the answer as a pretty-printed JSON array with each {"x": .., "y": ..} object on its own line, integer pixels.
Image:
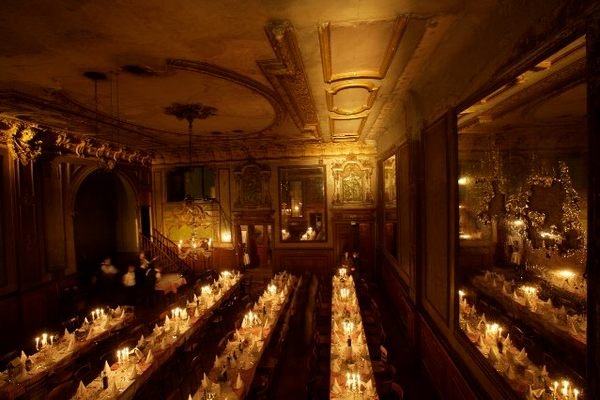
[
  {"x": 302, "y": 202},
  {"x": 522, "y": 227},
  {"x": 390, "y": 207}
]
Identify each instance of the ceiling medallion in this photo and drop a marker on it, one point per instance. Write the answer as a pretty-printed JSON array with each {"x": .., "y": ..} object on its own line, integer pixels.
[{"x": 190, "y": 112}]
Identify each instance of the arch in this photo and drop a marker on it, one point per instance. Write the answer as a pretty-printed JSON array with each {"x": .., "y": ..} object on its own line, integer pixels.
[{"x": 105, "y": 220}]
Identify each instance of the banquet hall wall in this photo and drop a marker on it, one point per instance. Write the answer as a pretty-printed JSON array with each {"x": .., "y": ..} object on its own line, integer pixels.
[
  {"x": 36, "y": 202},
  {"x": 419, "y": 279},
  {"x": 38, "y": 254}
]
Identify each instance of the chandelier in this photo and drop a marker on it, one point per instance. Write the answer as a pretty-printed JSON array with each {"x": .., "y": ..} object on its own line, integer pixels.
[{"x": 192, "y": 214}]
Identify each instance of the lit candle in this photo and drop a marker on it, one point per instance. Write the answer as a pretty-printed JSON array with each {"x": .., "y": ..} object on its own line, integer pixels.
[
  {"x": 37, "y": 343},
  {"x": 576, "y": 393},
  {"x": 119, "y": 356},
  {"x": 44, "y": 339},
  {"x": 51, "y": 340},
  {"x": 180, "y": 244},
  {"x": 93, "y": 314},
  {"x": 209, "y": 243},
  {"x": 555, "y": 384}
]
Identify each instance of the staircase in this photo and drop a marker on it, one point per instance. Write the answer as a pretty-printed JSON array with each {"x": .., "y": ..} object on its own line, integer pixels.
[{"x": 166, "y": 253}]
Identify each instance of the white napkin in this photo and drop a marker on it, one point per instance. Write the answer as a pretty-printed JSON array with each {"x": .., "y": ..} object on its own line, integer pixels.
[
  {"x": 81, "y": 391},
  {"x": 140, "y": 342},
  {"x": 133, "y": 372},
  {"x": 71, "y": 344},
  {"x": 106, "y": 368},
  {"x": 204, "y": 381},
  {"x": 23, "y": 357},
  {"x": 238, "y": 382},
  {"x": 66, "y": 334},
  {"x": 336, "y": 386},
  {"x": 149, "y": 357}
]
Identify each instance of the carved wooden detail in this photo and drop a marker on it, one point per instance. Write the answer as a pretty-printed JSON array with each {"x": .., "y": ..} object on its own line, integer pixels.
[
  {"x": 287, "y": 75},
  {"x": 252, "y": 182},
  {"x": 352, "y": 183},
  {"x": 27, "y": 141}
]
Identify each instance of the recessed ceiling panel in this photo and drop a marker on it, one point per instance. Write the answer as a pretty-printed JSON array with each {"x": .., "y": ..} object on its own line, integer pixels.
[{"x": 362, "y": 49}]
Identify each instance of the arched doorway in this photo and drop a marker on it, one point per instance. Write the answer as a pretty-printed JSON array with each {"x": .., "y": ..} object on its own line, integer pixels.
[{"x": 104, "y": 222}]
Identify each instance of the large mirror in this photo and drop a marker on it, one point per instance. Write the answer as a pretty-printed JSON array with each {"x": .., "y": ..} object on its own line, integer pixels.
[
  {"x": 302, "y": 204},
  {"x": 522, "y": 228}
]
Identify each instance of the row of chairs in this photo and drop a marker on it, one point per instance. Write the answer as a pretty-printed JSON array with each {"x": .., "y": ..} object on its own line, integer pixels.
[
  {"x": 319, "y": 360},
  {"x": 383, "y": 369}
]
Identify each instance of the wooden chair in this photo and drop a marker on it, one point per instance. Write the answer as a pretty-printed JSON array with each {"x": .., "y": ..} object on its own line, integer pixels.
[
  {"x": 63, "y": 391},
  {"x": 397, "y": 391}
]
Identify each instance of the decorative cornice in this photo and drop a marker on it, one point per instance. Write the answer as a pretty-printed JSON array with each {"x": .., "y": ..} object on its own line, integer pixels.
[
  {"x": 287, "y": 75},
  {"x": 23, "y": 142},
  {"x": 27, "y": 141}
]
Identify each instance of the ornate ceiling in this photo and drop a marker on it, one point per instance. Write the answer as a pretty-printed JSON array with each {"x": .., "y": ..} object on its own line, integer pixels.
[
  {"x": 285, "y": 77},
  {"x": 549, "y": 98}
]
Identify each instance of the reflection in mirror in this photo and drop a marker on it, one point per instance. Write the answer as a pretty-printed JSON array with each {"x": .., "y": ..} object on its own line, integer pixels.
[
  {"x": 302, "y": 203},
  {"x": 389, "y": 181},
  {"x": 255, "y": 241},
  {"x": 522, "y": 189},
  {"x": 390, "y": 237}
]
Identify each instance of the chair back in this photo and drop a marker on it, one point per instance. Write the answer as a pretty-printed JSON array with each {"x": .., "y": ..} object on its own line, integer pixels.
[{"x": 384, "y": 354}]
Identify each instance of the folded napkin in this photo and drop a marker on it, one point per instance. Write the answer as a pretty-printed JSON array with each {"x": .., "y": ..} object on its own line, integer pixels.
[
  {"x": 106, "y": 368},
  {"x": 23, "y": 357},
  {"x": 90, "y": 334},
  {"x": 336, "y": 386},
  {"x": 204, "y": 381},
  {"x": 149, "y": 357},
  {"x": 114, "y": 390},
  {"x": 81, "y": 391},
  {"x": 140, "y": 342},
  {"x": 238, "y": 382},
  {"x": 71, "y": 345},
  {"x": 133, "y": 372},
  {"x": 196, "y": 313}
]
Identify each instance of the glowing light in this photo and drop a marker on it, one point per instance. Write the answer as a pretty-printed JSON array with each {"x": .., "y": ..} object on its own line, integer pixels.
[
  {"x": 226, "y": 237},
  {"x": 529, "y": 290},
  {"x": 463, "y": 180},
  {"x": 518, "y": 222},
  {"x": 465, "y": 236},
  {"x": 565, "y": 273},
  {"x": 461, "y": 294}
]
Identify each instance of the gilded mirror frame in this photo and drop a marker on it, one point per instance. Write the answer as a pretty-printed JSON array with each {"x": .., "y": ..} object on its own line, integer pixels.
[{"x": 300, "y": 222}]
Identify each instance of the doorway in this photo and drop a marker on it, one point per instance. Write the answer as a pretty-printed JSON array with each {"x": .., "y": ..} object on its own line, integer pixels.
[{"x": 104, "y": 222}]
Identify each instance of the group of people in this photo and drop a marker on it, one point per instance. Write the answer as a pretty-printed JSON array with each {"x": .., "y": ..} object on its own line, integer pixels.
[{"x": 137, "y": 284}]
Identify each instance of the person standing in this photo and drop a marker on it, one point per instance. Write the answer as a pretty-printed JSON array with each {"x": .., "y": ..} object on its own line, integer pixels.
[{"x": 129, "y": 284}]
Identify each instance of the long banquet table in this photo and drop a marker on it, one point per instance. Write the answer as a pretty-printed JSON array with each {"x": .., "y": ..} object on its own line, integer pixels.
[
  {"x": 127, "y": 377},
  {"x": 251, "y": 341},
  {"x": 351, "y": 372},
  {"x": 65, "y": 351}
]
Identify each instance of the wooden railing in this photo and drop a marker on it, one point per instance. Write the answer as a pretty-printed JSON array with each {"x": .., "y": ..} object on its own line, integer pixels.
[{"x": 165, "y": 251}]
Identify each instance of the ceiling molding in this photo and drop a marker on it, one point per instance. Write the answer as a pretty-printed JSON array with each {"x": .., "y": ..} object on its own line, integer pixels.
[
  {"x": 400, "y": 24},
  {"x": 232, "y": 76},
  {"x": 333, "y": 90},
  {"x": 547, "y": 87},
  {"x": 287, "y": 75},
  {"x": 27, "y": 141},
  {"x": 347, "y": 136}
]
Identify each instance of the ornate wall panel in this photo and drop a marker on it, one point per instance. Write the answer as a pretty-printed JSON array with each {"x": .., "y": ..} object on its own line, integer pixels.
[
  {"x": 352, "y": 180},
  {"x": 436, "y": 251}
]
